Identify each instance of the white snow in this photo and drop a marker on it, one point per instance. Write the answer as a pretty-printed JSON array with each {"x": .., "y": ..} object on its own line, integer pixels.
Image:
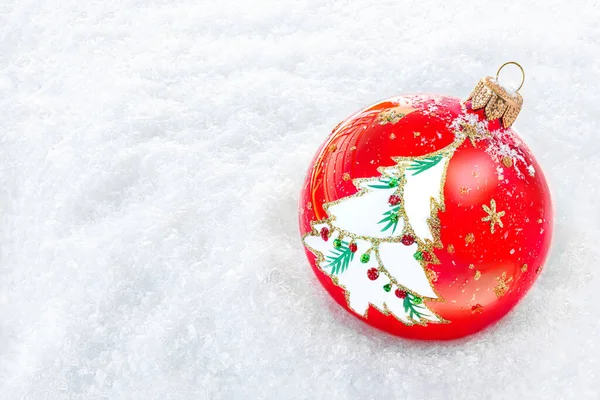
[
  {"x": 481, "y": 125},
  {"x": 498, "y": 151},
  {"x": 151, "y": 159}
]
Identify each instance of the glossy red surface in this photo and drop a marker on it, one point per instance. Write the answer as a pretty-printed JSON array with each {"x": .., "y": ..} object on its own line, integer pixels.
[{"x": 482, "y": 275}]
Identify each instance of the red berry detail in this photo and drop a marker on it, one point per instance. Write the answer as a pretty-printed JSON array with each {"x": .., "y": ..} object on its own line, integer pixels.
[
  {"x": 394, "y": 199},
  {"x": 427, "y": 256},
  {"x": 400, "y": 294},
  {"x": 353, "y": 247},
  {"x": 373, "y": 274},
  {"x": 325, "y": 233},
  {"x": 407, "y": 240},
  {"x": 477, "y": 309}
]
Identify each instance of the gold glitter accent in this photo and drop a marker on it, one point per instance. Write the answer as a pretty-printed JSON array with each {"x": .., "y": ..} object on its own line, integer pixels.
[
  {"x": 333, "y": 148},
  {"x": 475, "y": 174},
  {"x": 477, "y": 275},
  {"x": 463, "y": 191},
  {"x": 432, "y": 275},
  {"x": 352, "y": 148},
  {"x": 346, "y": 176},
  {"x": 417, "y": 134},
  {"x": 502, "y": 286},
  {"x": 309, "y": 205},
  {"x": 471, "y": 266},
  {"x": 450, "y": 249},
  {"x": 470, "y": 131},
  {"x": 524, "y": 268},
  {"x": 390, "y": 117},
  {"x": 470, "y": 238},
  {"x": 392, "y": 136},
  {"x": 540, "y": 221},
  {"x": 493, "y": 216},
  {"x": 507, "y": 161},
  {"x": 393, "y": 115}
]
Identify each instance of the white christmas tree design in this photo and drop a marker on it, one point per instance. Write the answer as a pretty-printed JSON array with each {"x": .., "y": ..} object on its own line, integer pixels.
[{"x": 377, "y": 244}]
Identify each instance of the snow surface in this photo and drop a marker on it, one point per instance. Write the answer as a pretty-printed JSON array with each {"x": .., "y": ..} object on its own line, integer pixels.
[{"x": 151, "y": 159}]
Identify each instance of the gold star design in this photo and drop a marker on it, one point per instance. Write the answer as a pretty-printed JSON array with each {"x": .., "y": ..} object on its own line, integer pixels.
[
  {"x": 471, "y": 132},
  {"x": 493, "y": 216}
]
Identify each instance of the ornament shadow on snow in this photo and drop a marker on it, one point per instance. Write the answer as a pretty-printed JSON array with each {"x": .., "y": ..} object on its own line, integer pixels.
[{"x": 380, "y": 244}]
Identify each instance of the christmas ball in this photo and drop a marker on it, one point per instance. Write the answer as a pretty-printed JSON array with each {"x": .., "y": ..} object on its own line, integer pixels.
[{"x": 426, "y": 216}]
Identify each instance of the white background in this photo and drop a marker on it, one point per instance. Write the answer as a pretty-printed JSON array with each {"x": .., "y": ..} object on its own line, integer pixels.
[{"x": 151, "y": 157}]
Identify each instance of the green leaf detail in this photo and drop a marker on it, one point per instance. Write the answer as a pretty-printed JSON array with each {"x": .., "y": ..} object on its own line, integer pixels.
[
  {"x": 339, "y": 258},
  {"x": 411, "y": 307},
  {"x": 379, "y": 186},
  {"x": 391, "y": 219},
  {"x": 384, "y": 183},
  {"x": 423, "y": 165}
]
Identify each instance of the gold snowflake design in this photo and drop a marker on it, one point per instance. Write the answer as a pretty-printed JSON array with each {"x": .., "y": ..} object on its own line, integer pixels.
[
  {"x": 493, "y": 216},
  {"x": 471, "y": 132}
]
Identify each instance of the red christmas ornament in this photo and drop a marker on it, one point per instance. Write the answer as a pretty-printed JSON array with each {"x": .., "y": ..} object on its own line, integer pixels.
[
  {"x": 407, "y": 240},
  {"x": 373, "y": 274},
  {"x": 472, "y": 229},
  {"x": 393, "y": 200},
  {"x": 325, "y": 233}
]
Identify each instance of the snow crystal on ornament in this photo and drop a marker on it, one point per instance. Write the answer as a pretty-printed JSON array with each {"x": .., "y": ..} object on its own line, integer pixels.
[{"x": 470, "y": 119}]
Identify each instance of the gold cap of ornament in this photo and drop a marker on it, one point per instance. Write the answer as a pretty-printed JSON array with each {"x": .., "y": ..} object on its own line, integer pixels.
[{"x": 498, "y": 101}]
